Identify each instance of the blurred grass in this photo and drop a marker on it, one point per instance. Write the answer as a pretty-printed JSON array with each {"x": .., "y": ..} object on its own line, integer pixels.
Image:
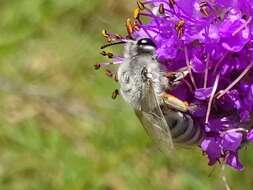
[{"x": 59, "y": 128}]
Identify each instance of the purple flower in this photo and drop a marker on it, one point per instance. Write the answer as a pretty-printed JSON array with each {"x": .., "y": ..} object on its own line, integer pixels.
[{"x": 214, "y": 40}]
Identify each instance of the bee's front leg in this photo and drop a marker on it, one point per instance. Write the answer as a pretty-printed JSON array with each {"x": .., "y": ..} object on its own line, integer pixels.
[{"x": 174, "y": 78}]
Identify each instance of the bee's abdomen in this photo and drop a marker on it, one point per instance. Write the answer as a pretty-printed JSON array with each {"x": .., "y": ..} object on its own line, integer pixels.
[{"x": 183, "y": 129}]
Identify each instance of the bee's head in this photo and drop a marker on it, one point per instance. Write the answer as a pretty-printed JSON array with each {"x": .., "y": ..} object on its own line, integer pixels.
[
  {"x": 141, "y": 46},
  {"x": 135, "y": 47},
  {"x": 146, "y": 45}
]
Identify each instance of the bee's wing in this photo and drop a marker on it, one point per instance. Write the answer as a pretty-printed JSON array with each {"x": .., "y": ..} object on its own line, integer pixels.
[{"x": 153, "y": 120}]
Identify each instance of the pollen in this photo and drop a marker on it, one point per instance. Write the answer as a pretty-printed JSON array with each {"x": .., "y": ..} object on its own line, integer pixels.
[{"x": 137, "y": 13}]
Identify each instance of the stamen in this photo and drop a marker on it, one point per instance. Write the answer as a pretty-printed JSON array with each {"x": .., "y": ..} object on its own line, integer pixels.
[
  {"x": 222, "y": 92},
  {"x": 242, "y": 26},
  {"x": 215, "y": 86},
  {"x": 189, "y": 66}
]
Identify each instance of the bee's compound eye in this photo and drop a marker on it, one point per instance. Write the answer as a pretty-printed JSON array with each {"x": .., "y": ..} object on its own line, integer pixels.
[{"x": 146, "y": 42}]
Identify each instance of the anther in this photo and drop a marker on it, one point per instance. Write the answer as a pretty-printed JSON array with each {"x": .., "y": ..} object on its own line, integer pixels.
[
  {"x": 115, "y": 94},
  {"x": 97, "y": 66},
  {"x": 180, "y": 28},
  {"x": 140, "y": 5},
  {"x": 172, "y": 3},
  {"x": 137, "y": 13},
  {"x": 112, "y": 75},
  {"x": 109, "y": 73},
  {"x": 129, "y": 27},
  {"x": 108, "y": 54},
  {"x": 103, "y": 53},
  {"x": 161, "y": 9},
  {"x": 203, "y": 7},
  {"x": 106, "y": 35}
]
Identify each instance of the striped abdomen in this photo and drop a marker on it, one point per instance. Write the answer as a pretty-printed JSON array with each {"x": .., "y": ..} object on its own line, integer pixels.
[{"x": 182, "y": 128}]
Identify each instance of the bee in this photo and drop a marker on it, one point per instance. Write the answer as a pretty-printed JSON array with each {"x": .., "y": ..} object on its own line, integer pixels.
[{"x": 142, "y": 86}]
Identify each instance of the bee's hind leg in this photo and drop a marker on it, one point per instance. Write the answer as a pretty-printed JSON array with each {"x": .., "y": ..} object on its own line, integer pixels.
[{"x": 174, "y": 102}]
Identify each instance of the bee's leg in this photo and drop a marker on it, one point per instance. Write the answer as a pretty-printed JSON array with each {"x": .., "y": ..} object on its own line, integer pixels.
[
  {"x": 112, "y": 75},
  {"x": 174, "y": 102},
  {"x": 115, "y": 94},
  {"x": 175, "y": 77}
]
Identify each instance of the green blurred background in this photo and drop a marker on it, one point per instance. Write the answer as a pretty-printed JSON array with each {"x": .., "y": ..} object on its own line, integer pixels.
[{"x": 59, "y": 128}]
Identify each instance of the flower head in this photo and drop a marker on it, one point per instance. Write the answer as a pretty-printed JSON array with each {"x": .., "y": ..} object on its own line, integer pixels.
[{"x": 214, "y": 40}]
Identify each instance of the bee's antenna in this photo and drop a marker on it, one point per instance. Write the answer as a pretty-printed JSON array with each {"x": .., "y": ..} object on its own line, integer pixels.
[{"x": 112, "y": 44}]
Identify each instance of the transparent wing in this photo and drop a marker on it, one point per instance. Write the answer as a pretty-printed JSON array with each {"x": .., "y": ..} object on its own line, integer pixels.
[{"x": 153, "y": 120}]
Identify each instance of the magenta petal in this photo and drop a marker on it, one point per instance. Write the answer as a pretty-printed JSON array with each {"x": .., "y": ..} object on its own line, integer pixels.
[
  {"x": 197, "y": 65},
  {"x": 234, "y": 41},
  {"x": 250, "y": 136},
  {"x": 231, "y": 141},
  {"x": 233, "y": 161},
  {"x": 212, "y": 148},
  {"x": 203, "y": 93}
]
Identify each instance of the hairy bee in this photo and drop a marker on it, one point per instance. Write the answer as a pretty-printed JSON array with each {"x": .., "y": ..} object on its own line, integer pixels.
[{"x": 142, "y": 85}]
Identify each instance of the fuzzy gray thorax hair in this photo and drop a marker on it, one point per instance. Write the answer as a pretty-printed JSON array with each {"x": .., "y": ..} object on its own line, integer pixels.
[{"x": 130, "y": 73}]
